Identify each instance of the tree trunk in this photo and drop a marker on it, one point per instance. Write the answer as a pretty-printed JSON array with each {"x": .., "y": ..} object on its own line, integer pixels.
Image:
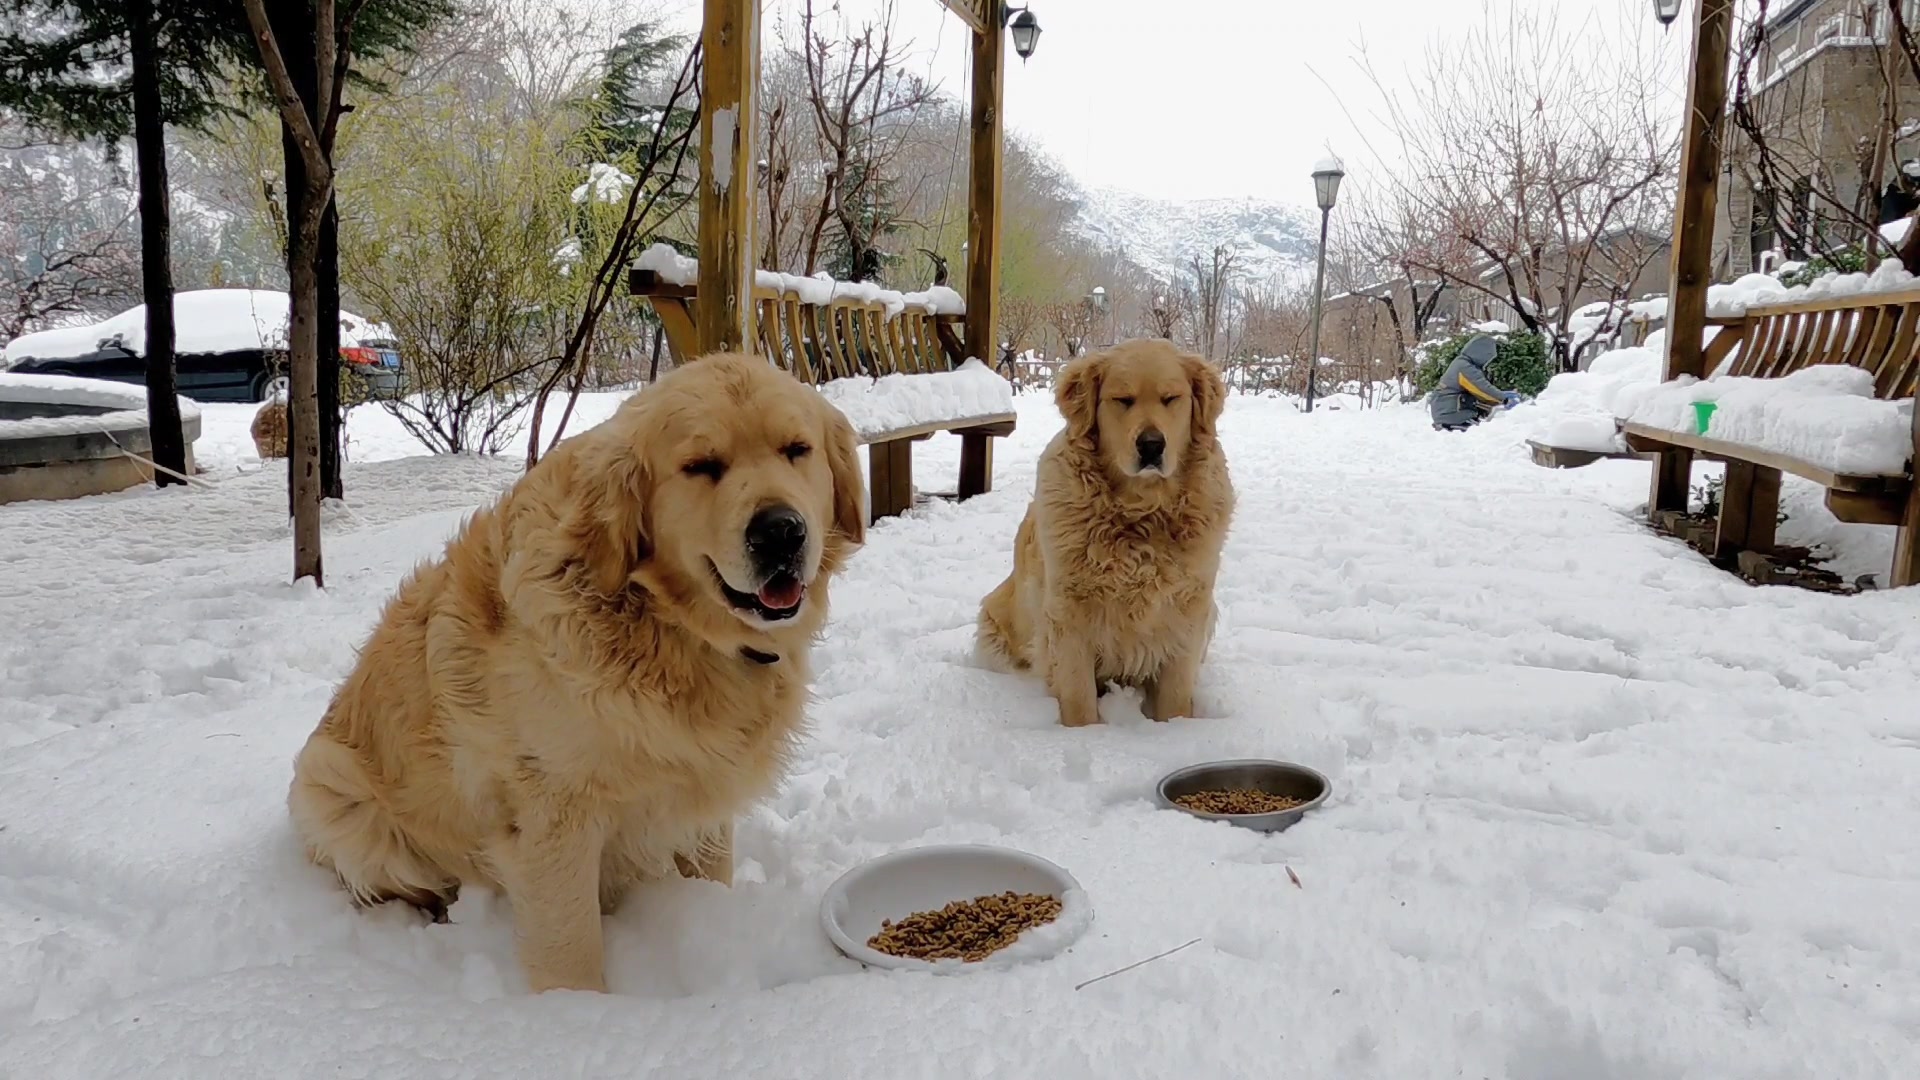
[
  {"x": 327, "y": 353},
  {"x": 293, "y": 29},
  {"x": 156, "y": 269},
  {"x": 303, "y": 436}
]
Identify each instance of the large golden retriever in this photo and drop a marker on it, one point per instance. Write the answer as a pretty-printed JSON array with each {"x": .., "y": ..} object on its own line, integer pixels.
[
  {"x": 1114, "y": 564},
  {"x": 600, "y": 672}
]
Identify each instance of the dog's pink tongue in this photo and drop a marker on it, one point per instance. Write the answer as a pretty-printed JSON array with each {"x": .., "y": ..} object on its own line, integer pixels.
[{"x": 782, "y": 593}]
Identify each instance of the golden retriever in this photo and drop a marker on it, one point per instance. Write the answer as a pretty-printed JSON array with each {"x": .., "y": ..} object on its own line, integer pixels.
[
  {"x": 1114, "y": 564},
  {"x": 602, "y": 670}
]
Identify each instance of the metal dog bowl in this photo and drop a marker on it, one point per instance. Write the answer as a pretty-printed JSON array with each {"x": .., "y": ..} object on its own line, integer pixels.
[
  {"x": 902, "y": 883},
  {"x": 1272, "y": 777}
]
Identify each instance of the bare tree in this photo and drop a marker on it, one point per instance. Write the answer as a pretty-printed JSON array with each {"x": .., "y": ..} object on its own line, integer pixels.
[
  {"x": 68, "y": 243},
  {"x": 1074, "y": 321},
  {"x": 1170, "y": 309},
  {"x": 1545, "y": 153},
  {"x": 1213, "y": 279},
  {"x": 1019, "y": 319},
  {"x": 853, "y": 87}
]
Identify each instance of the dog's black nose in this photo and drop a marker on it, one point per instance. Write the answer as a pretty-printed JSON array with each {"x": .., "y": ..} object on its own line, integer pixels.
[
  {"x": 1151, "y": 445},
  {"x": 776, "y": 534}
]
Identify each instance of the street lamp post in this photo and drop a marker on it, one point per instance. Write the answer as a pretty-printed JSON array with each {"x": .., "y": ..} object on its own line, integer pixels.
[
  {"x": 1098, "y": 298},
  {"x": 1326, "y": 189}
]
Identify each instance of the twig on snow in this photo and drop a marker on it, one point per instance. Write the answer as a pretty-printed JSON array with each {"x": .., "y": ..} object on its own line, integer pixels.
[{"x": 1135, "y": 964}]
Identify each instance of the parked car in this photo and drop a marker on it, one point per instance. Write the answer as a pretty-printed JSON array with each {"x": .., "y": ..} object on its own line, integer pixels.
[{"x": 229, "y": 345}]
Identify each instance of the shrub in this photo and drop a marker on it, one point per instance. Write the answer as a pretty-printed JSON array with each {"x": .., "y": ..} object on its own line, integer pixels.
[
  {"x": 1847, "y": 260},
  {"x": 1520, "y": 362}
]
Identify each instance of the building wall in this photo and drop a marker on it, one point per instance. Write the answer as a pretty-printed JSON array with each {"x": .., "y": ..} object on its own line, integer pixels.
[{"x": 1818, "y": 95}]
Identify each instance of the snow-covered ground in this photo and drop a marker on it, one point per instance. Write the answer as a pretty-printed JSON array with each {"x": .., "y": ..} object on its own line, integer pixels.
[{"x": 1601, "y": 810}]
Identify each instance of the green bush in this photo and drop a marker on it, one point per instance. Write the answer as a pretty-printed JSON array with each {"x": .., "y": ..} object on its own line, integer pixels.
[
  {"x": 1520, "y": 361},
  {"x": 1848, "y": 260}
]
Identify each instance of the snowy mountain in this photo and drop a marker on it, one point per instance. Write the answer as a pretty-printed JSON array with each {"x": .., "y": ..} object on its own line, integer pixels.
[{"x": 1274, "y": 239}]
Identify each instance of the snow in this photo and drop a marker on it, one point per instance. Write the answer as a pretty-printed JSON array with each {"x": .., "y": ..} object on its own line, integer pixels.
[
  {"x": 1491, "y": 326},
  {"x": 1895, "y": 232},
  {"x": 605, "y": 184},
  {"x": 205, "y": 321},
  {"x": 1826, "y": 415},
  {"x": 1600, "y": 810},
  {"x": 893, "y": 402},
  {"x": 1273, "y": 240},
  {"x": 1757, "y": 290},
  {"x": 674, "y": 268},
  {"x": 128, "y": 402}
]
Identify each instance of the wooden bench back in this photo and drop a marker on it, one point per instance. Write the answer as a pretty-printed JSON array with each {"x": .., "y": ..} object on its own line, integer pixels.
[
  {"x": 818, "y": 342},
  {"x": 1879, "y": 332}
]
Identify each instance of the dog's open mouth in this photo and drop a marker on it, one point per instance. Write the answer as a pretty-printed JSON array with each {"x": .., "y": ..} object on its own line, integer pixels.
[{"x": 778, "y": 598}]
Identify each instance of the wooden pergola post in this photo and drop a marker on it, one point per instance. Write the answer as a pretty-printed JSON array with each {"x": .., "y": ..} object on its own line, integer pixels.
[
  {"x": 1692, "y": 259},
  {"x": 983, "y": 189},
  {"x": 729, "y": 92}
]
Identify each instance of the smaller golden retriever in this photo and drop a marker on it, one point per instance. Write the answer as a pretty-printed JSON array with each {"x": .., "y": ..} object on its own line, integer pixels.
[
  {"x": 1114, "y": 564},
  {"x": 602, "y": 670}
]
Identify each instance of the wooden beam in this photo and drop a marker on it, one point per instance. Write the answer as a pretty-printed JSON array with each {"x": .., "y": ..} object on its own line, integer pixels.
[
  {"x": 1749, "y": 511},
  {"x": 729, "y": 73},
  {"x": 1906, "y": 542},
  {"x": 1692, "y": 263},
  {"x": 976, "y": 463},
  {"x": 972, "y": 12},
  {"x": 1643, "y": 436},
  {"x": 983, "y": 195},
  {"x": 890, "y": 478},
  {"x": 1867, "y": 507}
]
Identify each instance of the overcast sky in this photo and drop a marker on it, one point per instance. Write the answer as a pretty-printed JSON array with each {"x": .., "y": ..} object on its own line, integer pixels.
[{"x": 1201, "y": 98}]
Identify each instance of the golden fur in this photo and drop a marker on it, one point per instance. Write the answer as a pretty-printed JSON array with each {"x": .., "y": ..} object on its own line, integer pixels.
[
  {"x": 565, "y": 702},
  {"x": 1114, "y": 565}
]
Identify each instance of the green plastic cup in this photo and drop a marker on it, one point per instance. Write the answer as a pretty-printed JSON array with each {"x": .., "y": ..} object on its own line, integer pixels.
[{"x": 1703, "y": 412}]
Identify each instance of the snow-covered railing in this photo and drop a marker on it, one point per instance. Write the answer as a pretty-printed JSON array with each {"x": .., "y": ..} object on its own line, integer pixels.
[
  {"x": 891, "y": 362},
  {"x": 816, "y": 327}
]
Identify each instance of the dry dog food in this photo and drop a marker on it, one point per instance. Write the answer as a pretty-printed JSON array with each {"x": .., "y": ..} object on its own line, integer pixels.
[
  {"x": 1237, "y": 801},
  {"x": 965, "y": 929}
]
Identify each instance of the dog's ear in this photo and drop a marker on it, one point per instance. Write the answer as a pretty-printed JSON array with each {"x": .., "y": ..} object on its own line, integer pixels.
[
  {"x": 1209, "y": 394},
  {"x": 609, "y": 525},
  {"x": 849, "y": 487},
  {"x": 1077, "y": 393}
]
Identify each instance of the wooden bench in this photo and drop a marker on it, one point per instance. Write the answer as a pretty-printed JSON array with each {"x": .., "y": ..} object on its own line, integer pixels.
[
  {"x": 1880, "y": 333},
  {"x": 1568, "y": 457},
  {"x": 847, "y": 339}
]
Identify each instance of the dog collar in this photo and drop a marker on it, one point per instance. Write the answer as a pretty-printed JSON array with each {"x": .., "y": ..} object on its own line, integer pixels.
[{"x": 758, "y": 657}]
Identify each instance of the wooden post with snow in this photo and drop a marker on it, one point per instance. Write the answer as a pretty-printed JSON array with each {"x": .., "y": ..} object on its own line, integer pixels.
[
  {"x": 983, "y": 189},
  {"x": 1693, "y": 230},
  {"x": 729, "y": 74}
]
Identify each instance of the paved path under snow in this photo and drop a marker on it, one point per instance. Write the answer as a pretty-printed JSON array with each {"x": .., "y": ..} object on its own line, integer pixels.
[{"x": 1602, "y": 811}]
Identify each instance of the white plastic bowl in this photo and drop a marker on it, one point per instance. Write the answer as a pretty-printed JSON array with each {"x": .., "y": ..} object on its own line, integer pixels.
[{"x": 927, "y": 878}]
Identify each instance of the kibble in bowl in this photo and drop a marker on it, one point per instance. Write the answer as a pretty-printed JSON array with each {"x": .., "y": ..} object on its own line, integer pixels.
[
  {"x": 954, "y": 907},
  {"x": 969, "y": 930},
  {"x": 1254, "y": 794}
]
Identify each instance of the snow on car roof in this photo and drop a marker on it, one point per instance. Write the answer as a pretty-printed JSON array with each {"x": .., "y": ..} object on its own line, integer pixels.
[{"x": 205, "y": 321}]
